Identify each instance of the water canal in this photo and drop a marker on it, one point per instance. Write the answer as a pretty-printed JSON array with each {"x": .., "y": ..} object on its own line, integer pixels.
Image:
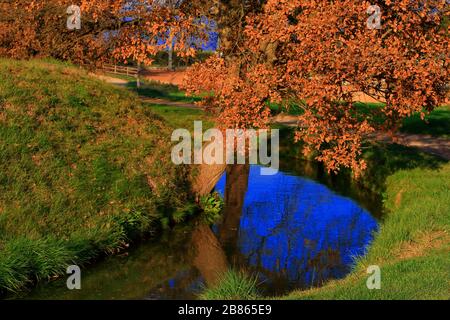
[{"x": 293, "y": 230}]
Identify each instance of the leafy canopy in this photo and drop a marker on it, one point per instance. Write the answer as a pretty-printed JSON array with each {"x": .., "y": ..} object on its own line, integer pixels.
[{"x": 314, "y": 54}]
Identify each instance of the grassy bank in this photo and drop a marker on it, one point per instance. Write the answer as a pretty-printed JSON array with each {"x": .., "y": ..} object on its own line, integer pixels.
[{"x": 84, "y": 169}]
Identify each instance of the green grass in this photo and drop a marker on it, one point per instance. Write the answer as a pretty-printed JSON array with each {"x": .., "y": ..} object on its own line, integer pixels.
[
  {"x": 233, "y": 285},
  {"x": 384, "y": 160},
  {"x": 411, "y": 247},
  {"x": 291, "y": 109},
  {"x": 84, "y": 169},
  {"x": 180, "y": 117},
  {"x": 437, "y": 123},
  {"x": 158, "y": 90}
]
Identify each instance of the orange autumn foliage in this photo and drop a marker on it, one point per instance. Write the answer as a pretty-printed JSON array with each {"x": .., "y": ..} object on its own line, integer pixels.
[
  {"x": 110, "y": 29},
  {"x": 315, "y": 54}
]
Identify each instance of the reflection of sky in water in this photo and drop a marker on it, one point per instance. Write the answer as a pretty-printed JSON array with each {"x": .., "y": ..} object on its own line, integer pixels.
[{"x": 300, "y": 228}]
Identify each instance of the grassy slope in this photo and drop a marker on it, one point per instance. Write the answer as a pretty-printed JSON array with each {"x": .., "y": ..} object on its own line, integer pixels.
[
  {"x": 84, "y": 168},
  {"x": 412, "y": 247},
  {"x": 179, "y": 117}
]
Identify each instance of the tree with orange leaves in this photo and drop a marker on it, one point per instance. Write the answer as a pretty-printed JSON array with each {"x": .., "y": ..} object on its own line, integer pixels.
[
  {"x": 315, "y": 54},
  {"x": 110, "y": 29}
]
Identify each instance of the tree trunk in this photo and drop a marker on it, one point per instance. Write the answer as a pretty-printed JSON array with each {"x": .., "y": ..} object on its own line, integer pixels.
[{"x": 170, "y": 60}]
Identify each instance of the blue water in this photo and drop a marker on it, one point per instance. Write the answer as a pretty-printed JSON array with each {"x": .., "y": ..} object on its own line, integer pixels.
[{"x": 295, "y": 227}]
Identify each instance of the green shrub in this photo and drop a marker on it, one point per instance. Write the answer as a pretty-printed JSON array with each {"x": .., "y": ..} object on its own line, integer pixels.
[{"x": 212, "y": 206}]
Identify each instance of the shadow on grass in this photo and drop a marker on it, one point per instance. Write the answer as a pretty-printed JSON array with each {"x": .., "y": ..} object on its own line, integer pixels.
[
  {"x": 435, "y": 124},
  {"x": 157, "y": 90},
  {"x": 176, "y": 117},
  {"x": 386, "y": 159}
]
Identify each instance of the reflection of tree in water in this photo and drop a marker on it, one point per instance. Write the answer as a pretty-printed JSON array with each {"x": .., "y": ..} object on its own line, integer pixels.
[
  {"x": 214, "y": 253},
  {"x": 293, "y": 232},
  {"x": 210, "y": 259},
  {"x": 209, "y": 250},
  {"x": 235, "y": 190}
]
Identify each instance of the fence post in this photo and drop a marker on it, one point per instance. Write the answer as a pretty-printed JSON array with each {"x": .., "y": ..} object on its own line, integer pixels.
[
  {"x": 138, "y": 80},
  {"x": 115, "y": 68}
]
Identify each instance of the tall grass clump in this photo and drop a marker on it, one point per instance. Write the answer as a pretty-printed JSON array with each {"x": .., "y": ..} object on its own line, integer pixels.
[{"x": 233, "y": 285}]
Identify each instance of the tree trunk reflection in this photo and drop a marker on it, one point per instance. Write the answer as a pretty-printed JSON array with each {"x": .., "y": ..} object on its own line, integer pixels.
[{"x": 211, "y": 251}]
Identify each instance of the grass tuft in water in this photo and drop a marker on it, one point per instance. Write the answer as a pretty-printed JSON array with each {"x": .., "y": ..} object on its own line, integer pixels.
[{"x": 233, "y": 285}]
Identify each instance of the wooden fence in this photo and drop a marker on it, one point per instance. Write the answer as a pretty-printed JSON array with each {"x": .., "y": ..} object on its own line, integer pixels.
[{"x": 122, "y": 70}]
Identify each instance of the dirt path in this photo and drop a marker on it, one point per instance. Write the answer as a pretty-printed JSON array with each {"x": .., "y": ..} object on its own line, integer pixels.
[
  {"x": 157, "y": 101},
  {"x": 165, "y": 76},
  {"x": 108, "y": 79},
  {"x": 171, "y": 103},
  {"x": 434, "y": 145}
]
